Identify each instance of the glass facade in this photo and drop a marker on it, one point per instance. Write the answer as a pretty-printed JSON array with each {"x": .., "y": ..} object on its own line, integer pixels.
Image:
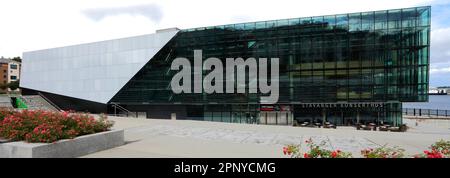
[{"x": 333, "y": 68}]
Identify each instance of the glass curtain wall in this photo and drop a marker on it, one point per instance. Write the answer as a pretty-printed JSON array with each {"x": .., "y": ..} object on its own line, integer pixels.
[{"x": 359, "y": 57}]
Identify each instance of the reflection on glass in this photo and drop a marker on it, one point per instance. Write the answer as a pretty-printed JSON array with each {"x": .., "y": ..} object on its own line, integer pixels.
[
  {"x": 357, "y": 57},
  {"x": 342, "y": 22}
]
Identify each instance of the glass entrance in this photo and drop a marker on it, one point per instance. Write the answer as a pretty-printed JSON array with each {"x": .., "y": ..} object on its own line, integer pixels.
[
  {"x": 350, "y": 118},
  {"x": 334, "y": 117},
  {"x": 275, "y": 117}
]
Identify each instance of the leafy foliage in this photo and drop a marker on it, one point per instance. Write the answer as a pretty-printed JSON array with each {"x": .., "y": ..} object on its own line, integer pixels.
[{"x": 46, "y": 126}]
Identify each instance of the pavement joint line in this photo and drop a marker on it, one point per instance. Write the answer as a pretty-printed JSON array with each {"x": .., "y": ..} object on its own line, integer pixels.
[
  {"x": 372, "y": 142},
  {"x": 329, "y": 142},
  {"x": 345, "y": 139},
  {"x": 243, "y": 140}
]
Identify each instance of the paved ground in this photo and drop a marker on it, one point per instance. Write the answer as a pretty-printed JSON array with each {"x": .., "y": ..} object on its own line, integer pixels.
[{"x": 167, "y": 138}]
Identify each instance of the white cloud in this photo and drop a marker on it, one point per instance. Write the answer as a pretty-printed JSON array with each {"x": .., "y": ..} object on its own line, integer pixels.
[
  {"x": 440, "y": 70},
  {"x": 31, "y": 25},
  {"x": 28, "y": 25},
  {"x": 151, "y": 11},
  {"x": 440, "y": 43}
]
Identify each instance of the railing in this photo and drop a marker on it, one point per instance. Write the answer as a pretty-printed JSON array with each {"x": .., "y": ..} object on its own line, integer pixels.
[
  {"x": 126, "y": 111},
  {"x": 426, "y": 112},
  {"x": 49, "y": 102}
]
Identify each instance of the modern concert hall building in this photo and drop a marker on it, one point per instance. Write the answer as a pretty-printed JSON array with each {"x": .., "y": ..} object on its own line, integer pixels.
[{"x": 343, "y": 69}]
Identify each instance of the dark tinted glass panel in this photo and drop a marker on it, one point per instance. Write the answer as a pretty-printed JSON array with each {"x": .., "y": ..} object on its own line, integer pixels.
[
  {"x": 381, "y": 20},
  {"x": 394, "y": 19},
  {"x": 358, "y": 57}
]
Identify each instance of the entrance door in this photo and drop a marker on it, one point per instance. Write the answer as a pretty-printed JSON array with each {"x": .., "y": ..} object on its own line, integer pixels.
[
  {"x": 282, "y": 118},
  {"x": 272, "y": 118},
  {"x": 349, "y": 118},
  {"x": 275, "y": 117},
  {"x": 334, "y": 117}
]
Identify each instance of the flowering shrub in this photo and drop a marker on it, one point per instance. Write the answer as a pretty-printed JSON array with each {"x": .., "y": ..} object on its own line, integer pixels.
[
  {"x": 291, "y": 150},
  {"x": 315, "y": 151},
  {"x": 45, "y": 126},
  {"x": 383, "y": 152},
  {"x": 4, "y": 112},
  {"x": 442, "y": 147},
  {"x": 44, "y": 133},
  {"x": 430, "y": 154},
  {"x": 439, "y": 149}
]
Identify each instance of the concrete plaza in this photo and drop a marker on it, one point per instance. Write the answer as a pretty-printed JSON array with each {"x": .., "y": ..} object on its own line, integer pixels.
[{"x": 184, "y": 138}]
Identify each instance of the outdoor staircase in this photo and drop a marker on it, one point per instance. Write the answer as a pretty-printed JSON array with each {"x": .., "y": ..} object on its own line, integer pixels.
[
  {"x": 39, "y": 102},
  {"x": 5, "y": 102},
  {"x": 120, "y": 111}
]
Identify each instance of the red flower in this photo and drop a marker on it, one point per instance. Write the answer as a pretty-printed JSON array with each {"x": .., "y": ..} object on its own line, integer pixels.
[
  {"x": 284, "y": 150},
  {"x": 306, "y": 155},
  {"x": 334, "y": 154},
  {"x": 65, "y": 114},
  {"x": 44, "y": 126}
]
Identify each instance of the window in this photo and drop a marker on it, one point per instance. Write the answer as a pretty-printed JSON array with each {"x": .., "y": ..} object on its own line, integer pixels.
[
  {"x": 330, "y": 21},
  {"x": 409, "y": 17},
  {"x": 249, "y": 26},
  {"x": 281, "y": 23},
  {"x": 381, "y": 20},
  {"x": 424, "y": 16},
  {"x": 367, "y": 20},
  {"x": 394, "y": 19},
  {"x": 355, "y": 22},
  {"x": 305, "y": 20},
  {"x": 342, "y": 21},
  {"x": 13, "y": 77},
  {"x": 13, "y": 66},
  {"x": 294, "y": 21},
  {"x": 260, "y": 25}
]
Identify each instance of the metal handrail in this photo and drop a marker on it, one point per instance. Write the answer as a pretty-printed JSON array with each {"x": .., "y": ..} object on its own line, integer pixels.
[
  {"x": 117, "y": 106},
  {"x": 120, "y": 107},
  {"x": 50, "y": 102},
  {"x": 425, "y": 112}
]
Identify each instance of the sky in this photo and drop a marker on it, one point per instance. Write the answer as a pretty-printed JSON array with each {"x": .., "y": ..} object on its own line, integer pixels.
[{"x": 28, "y": 25}]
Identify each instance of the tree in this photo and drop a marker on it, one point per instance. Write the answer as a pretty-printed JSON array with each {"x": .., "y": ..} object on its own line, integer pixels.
[
  {"x": 17, "y": 59},
  {"x": 13, "y": 85}
]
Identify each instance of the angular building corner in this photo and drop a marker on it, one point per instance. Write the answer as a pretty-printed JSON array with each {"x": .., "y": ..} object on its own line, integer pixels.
[{"x": 93, "y": 71}]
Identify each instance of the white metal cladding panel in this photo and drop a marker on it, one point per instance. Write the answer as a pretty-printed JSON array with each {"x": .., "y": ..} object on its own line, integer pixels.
[{"x": 94, "y": 71}]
